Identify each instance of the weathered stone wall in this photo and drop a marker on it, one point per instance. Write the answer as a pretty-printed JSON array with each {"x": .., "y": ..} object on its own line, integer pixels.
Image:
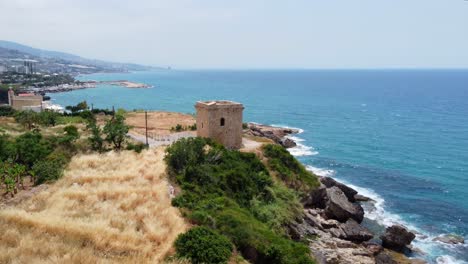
[
  {"x": 209, "y": 124},
  {"x": 27, "y": 102}
]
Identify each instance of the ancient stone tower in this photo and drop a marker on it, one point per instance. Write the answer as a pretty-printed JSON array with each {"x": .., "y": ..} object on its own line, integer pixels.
[{"x": 221, "y": 121}]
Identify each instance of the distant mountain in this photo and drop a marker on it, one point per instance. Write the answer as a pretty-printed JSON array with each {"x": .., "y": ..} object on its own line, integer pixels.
[
  {"x": 71, "y": 58},
  {"x": 38, "y": 52}
]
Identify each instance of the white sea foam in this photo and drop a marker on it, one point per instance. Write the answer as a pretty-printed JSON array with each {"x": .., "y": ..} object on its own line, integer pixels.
[
  {"x": 320, "y": 172},
  {"x": 301, "y": 149},
  {"x": 300, "y": 130}
]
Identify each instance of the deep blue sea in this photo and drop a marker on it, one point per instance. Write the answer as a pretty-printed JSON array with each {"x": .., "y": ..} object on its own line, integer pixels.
[{"x": 399, "y": 136}]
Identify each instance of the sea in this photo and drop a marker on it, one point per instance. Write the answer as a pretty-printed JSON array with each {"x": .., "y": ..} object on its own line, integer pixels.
[{"x": 397, "y": 136}]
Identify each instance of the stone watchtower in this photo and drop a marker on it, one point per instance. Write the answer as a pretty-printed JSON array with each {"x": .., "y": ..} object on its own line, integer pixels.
[{"x": 221, "y": 121}]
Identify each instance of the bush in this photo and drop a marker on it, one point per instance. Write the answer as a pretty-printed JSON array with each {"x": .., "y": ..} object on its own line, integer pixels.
[
  {"x": 138, "y": 148},
  {"x": 31, "y": 147},
  {"x": 203, "y": 245},
  {"x": 289, "y": 169},
  {"x": 48, "y": 118},
  {"x": 233, "y": 193},
  {"x": 6, "y": 111},
  {"x": 96, "y": 141},
  {"x": 7, "y": 148},
  {"x": 49, "y": 169}
]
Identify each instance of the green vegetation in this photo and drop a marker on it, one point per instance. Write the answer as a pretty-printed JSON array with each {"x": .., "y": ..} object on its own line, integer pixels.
[
  {"x": 203, "y": 245},
  {"x": 6, "y": 110},
  {"x": 179, "y": 128},
  {"x": 116, "y": 131},
  {"x": 81, "y": 106},
  {"x": 234, "y": 193},
  {"x": 289, "y": 169}
]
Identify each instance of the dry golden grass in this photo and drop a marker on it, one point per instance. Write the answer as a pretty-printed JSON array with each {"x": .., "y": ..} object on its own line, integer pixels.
[
  {"x": 110, "y": 208},
  {"x": 158, "y": 122}
]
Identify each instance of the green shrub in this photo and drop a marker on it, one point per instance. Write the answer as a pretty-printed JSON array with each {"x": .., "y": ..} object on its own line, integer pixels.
[
  {"x": 7, "y": 110},
  {"x": 138, "y": 148},
  {"x": 233, "y": 193},
  {"x": 31, "y": 147},
  {"x": 184, "y": 152},
  {"x": 48, "y": 118},
  {"x": 116, "y": 131},
  {"x": 95, "y": 140},
  {"x": 49, "y": 169},
  {"x": 289, "y": 169},
  {"x": 203, "y": 245},
  {"x": 7, "y": 148}
]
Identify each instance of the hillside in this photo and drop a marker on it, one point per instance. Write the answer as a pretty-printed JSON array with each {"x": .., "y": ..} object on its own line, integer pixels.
[
  {"x": 110, "y": 208},
  {"x": 49, "y": 61}
]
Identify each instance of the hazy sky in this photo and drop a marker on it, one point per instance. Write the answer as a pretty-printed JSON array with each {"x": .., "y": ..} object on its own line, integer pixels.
[{"x": 247, "y": 33}]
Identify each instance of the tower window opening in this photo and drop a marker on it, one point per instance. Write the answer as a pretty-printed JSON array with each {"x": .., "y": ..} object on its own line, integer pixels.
[{"x": 222, "y": 122}]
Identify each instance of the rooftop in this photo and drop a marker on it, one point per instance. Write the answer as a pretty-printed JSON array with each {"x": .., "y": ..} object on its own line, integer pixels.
[{"x": 218, "y": 103}]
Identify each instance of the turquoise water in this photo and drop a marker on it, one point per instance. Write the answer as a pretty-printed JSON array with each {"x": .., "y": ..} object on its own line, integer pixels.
[{"x": 398, "y": 136}]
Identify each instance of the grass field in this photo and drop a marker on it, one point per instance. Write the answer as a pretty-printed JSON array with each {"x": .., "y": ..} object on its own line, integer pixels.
[{"x": 109, "y": 208}]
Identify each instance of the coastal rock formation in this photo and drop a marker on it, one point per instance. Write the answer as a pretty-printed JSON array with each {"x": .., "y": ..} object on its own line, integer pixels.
[
  {"x": 354, "y": 232},
  {"x": 397, "y": 237},
  {"x": 277, "y": 134},
  {"x": 340, "y": 208},
  {"x": 316, "y": 198},
  {"x": 348, "y": 191},
  {"x": 361, "y": 198},
  {"x": 331, "y": 224},
  {"x": 450, "y": 239}
]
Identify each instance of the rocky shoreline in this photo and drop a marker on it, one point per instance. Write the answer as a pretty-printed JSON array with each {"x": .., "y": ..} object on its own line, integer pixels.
[
  {"x": 332, "y": 224},
  {"x": 276, "y": 134},
  {"x": 332, "y": 219}
]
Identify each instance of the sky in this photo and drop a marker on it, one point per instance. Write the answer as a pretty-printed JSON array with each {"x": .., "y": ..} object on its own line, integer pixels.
[{"x": 247, "y": 34}]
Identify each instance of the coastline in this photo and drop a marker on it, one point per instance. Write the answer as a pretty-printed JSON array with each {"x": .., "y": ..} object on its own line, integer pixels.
[
  {"x": 87, "y": 85},
  {"x": 424, "y": 245}
]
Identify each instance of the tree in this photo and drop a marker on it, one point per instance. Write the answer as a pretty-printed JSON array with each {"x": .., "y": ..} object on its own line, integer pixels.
[
  {"x": 81, "y": 106},
  {"x": 116, "y": 131},
  {"x": 48, "y": 118},
  {"x": 27, "y": 118},
  {"x": 96, "y": 140}
]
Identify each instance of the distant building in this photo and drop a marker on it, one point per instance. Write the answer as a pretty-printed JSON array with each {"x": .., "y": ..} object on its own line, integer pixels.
[
  {"x": 29, "y": 66},
  {"x": 25, "y": 101},
  {"x": 3, "y": 68},
  {"x": 221, "y": 121}
]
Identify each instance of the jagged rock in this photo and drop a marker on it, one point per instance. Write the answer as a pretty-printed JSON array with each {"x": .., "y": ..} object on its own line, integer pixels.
[
  {"x": 338, "y": 207},
  {"x": 299, "y": 231},
  {"x": 450, "y": 239},
  {"x": 312, "y": 220},
  {"x": 287, "y": 143},
  {"x": 336, "y": 232},
  {"x": 361, "y": 198},
  {"x": 384, "y": 258},
  {"x": 354, "y": 232},
  {"x": 397, "y": 237},
  {"x": 316, "y": 198},
  {"x": 331, "y": 223},
  {"x": 348, "y": 191},
  {"x": 277, "y": 134}
]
